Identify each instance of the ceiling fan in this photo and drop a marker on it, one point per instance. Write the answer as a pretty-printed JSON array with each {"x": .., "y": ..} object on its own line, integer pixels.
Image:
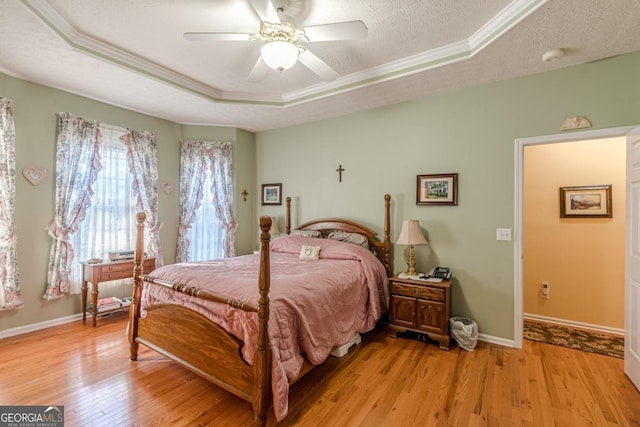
[{"x": 282, "y": 47}]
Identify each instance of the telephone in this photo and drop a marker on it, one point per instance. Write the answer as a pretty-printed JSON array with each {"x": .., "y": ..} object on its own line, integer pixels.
[{"x": 440, "y": 273}]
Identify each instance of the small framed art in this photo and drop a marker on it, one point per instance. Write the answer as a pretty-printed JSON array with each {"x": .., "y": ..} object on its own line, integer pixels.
[
  {"x": 272, "y": 194},
  {"x": 439, "y": 189},
  {"x": 586, "y": 202}
]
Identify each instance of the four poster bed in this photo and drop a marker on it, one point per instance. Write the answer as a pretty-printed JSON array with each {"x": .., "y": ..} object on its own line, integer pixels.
[{"x": 314, "y": 293}]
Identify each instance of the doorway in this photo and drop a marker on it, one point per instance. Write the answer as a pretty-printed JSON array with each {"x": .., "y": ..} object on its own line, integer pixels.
[{"x": 519, "y": 210}]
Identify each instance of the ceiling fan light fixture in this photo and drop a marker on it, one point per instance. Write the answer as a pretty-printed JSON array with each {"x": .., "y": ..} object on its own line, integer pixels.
[{"x": 279, "y": 55}]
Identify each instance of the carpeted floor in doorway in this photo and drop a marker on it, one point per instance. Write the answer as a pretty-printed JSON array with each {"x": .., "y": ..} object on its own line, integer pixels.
[{"x": 595, "y": 342}]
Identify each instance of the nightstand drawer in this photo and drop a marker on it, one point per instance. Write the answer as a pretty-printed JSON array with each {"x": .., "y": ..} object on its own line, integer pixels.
[
  {"x": 123, "y": 270},
  {"x": 421, "y": 292},
  {"x": 115, "y": 275},
  {"x": 117, "y": 267}
]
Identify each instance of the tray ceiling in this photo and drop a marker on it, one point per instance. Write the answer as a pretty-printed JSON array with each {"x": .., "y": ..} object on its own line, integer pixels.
[{"x": 133, "y": 54}]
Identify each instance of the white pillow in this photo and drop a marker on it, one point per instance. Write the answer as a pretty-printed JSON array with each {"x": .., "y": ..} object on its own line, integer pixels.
[{"x": 310, "y": 252}]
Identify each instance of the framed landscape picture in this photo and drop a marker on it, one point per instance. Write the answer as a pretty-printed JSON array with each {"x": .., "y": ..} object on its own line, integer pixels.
[
  {"x": 439, "y": 189},
  {"x": 271, "y": 194},
  {"x": 586, "y": 202}
]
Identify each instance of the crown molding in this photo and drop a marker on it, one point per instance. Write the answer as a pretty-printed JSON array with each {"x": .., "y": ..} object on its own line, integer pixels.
[{"x": 505, "y": 20}]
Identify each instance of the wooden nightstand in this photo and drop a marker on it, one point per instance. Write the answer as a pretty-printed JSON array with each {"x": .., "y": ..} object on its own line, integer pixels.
[
  {"x": 421, "y": 306},
  {"x": 104, "y": 272}
]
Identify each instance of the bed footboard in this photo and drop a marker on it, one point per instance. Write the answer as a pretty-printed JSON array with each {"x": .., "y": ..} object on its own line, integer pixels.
[{"x": 193, "y": 341}]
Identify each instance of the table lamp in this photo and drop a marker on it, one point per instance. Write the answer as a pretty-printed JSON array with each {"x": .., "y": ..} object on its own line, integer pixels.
[
  {"x": 411, "y": 235},
  {"x": 274, "y": 230}
]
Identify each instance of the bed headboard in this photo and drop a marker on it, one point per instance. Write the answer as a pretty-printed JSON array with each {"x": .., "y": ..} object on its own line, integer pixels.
[{"x": 381, "y": 248}]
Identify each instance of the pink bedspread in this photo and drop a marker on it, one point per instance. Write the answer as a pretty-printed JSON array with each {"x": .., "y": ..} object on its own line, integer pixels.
[{"x": 315, "y": 305}]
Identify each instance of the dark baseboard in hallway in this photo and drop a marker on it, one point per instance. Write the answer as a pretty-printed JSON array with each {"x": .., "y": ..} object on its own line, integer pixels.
[{"x": 580, "y": 339}]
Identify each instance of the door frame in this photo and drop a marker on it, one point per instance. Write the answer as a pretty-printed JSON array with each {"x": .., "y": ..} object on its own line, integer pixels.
[{"x": 518, "y": 193}]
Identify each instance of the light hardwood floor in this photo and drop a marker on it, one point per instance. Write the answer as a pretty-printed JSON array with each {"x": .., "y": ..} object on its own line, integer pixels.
[{"x": 383, "y": 382}]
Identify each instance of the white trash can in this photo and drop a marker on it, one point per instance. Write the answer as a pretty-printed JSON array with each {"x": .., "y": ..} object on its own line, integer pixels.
[{"x": 464, "y": 332}]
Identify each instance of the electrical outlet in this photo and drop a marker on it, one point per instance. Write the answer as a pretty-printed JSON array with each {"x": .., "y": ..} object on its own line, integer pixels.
[
  {"x": 544, "y": 290},
  {"x": 503, "y": 234}
]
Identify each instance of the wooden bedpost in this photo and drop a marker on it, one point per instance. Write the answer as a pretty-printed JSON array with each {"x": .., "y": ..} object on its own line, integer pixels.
[
  {"x": 262, "y": 360},
  {"x": 134, "y": 309},
  {"x": 288, "y": 216},
  {"x": 387, "y": 236}
]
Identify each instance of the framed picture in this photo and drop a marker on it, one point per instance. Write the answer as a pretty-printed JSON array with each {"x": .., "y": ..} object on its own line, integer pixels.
[
  {"x": 441, "y": 189},
  {"x": 272, "y": 194},
  {"x": 586, "y": 202}
]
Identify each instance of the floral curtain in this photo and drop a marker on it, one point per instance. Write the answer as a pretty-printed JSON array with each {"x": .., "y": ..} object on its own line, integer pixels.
[
  {"x": 10, "y": 297},
  {"x": 142, "y": 153},
  {"x": 222, "y": 189},
  {"x": 192, "y": 177},
  {"x": 109, "y": 224},
  {"x": 77, "y": 164},
  {"x": 197, "y": 157}
]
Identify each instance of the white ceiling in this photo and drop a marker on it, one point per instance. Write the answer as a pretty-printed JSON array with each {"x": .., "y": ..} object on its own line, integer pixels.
[{"x": 131, "y": 53}]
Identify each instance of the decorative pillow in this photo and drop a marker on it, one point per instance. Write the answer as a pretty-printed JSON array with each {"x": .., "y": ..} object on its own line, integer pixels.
[
  {"x": 306, "y": 233},
  {"x": 310, "y": 252},
  {"x": 344, "y": 236}
]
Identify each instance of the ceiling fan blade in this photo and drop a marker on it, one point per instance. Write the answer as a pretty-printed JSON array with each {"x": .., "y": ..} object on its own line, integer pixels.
[
  {"x": 265, "y": 10},
  {"x": 259, "y": 71},
  {"x": 217, "y": 36},
  {"x": 318, "y": 66},
  {"x": 350, "y": 30}
]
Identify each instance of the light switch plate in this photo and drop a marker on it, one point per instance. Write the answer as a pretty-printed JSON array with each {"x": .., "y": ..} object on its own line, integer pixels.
[{"x": 503, "y": 234}]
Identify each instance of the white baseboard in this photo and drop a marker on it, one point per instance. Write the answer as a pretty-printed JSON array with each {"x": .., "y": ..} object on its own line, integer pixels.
[
  {"x": 490, "y": 339},
  {"x": 581, "y": 325},
  {"x": 496, "y": 340},
  {"x": 481, "y": 337},
  {"x": 38, "y": 326}
]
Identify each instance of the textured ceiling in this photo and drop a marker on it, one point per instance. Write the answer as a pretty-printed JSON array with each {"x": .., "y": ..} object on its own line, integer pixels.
[{"x": 132, "y": 53}]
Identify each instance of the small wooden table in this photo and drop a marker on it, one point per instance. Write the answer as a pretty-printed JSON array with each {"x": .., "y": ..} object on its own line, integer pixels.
[
  {"x": 105, "y": 272},
  {"x": 421, "y": 306}
]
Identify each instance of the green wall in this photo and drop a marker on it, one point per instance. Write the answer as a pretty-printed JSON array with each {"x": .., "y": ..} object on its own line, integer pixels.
[
  {"x": 470, "y": 132},
  {"x": 35, "y": 115}
]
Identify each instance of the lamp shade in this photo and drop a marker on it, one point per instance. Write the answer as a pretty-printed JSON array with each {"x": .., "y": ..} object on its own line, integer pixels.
[
  {"x": 411, "y": 233},
  {"x": 274, "y": 230},
  {"x": 279, "y": 55}
]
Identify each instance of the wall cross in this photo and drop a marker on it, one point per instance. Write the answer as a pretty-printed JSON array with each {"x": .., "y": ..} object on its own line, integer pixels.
[{"x": 340, "y": 170}]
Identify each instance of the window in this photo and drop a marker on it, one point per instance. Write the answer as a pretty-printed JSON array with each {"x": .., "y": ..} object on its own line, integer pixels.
[
  {"x": 110, "y": 222},
  {"x": 103, "y": 175},
  {"x": 207, "y": 226},
  {"x": 206, "y": 236}
]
